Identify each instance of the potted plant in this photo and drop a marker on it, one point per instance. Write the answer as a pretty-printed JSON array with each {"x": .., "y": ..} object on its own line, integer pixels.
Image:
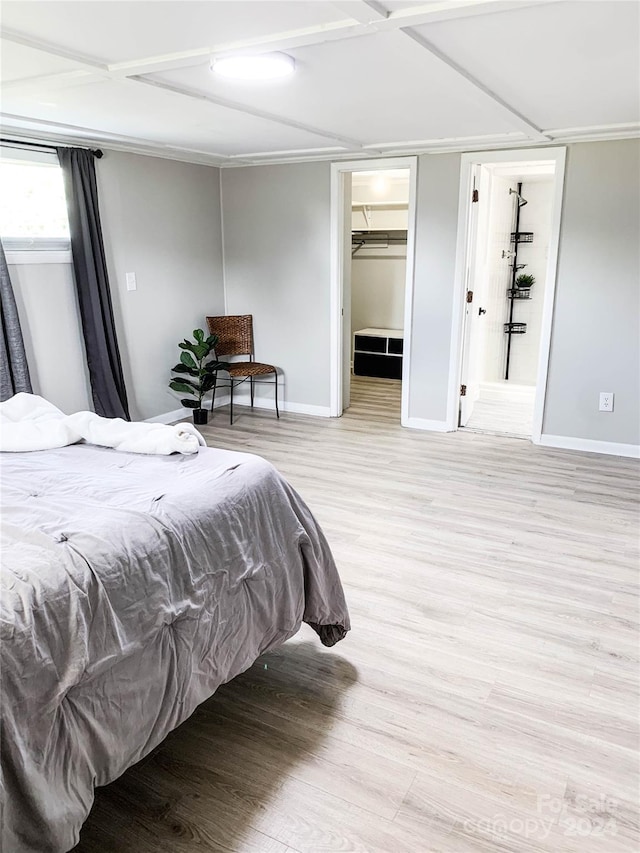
[
  {"x": 525, "y": 281},
  {"x": 197, "y": 375}
]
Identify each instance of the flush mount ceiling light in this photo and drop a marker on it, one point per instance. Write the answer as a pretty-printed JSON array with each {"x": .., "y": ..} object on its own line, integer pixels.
[{"x": 264, "y": 66}]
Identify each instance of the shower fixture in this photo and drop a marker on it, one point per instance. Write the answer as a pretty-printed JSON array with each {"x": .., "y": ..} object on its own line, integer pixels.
[{"x": 521, "y": 201}]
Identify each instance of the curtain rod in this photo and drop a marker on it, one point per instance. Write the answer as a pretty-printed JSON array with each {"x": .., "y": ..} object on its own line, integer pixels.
[{"x": 16, "y": 143}]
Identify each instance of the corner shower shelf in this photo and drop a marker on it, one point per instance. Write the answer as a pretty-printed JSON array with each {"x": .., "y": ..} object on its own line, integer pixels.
[{"x": 519, "y": 293}]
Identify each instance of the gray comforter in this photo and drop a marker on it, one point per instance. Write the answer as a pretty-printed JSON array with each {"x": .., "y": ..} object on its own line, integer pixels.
[{"x": 132, "y": 587}]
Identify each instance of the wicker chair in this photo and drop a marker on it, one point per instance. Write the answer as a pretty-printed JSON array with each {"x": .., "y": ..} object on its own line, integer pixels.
[{"x": 235, "y": 337}]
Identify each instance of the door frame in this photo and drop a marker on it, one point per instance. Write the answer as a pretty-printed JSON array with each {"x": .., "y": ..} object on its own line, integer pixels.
[
  {"x": 558, "y": 156},
  {"x": 336, "y": 300}
]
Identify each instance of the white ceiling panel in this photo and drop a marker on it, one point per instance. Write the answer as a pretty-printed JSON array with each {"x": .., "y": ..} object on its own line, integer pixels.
[
  {"x": 21, "y": 63},
  {"x": 132, "y": 109},
  {"x": 469, "y": 74},
  {"x": 119, "y": 31},
  {"x": 381, "y": 88},
  {"x": 563, "y": 65}
]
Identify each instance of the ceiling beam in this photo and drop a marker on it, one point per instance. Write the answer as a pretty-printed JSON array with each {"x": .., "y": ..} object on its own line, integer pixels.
[
  {"x": 51, "y": 49},
  {"x": 51, "y": 82},
  {"x": 516, "y": 118},
  {"x": 15, "y": 126},
  {"x": 363, "y": 11}
]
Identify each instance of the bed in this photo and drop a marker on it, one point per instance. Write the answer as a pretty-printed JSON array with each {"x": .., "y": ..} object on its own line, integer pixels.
[{"x": 133, "y": 586}]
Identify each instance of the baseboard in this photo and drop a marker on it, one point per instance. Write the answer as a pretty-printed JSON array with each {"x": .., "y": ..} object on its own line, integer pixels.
[
  {"x": 588, "y": 445},
  {"x": 294, "y": 408},
  {"x": 182, "y": 414},
  {"x": 169, "y": 417},
  {"x": 285, "y": 406},
  {"x": 431, "y": 426}
]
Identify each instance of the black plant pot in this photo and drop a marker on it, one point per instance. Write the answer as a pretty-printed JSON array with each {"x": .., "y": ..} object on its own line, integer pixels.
[{"x": 201, "y": 417}]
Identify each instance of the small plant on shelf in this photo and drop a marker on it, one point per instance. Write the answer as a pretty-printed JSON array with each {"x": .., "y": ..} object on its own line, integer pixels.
[
  {"x": 197, "y": 375},
  {"x": 525, "y": 281}
]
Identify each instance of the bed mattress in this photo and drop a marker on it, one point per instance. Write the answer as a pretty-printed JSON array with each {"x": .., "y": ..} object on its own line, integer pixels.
[{"x": 132, "y": 587}]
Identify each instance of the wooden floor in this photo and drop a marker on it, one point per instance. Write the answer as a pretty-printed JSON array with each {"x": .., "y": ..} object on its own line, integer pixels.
[{"x": 487, "y": 696}]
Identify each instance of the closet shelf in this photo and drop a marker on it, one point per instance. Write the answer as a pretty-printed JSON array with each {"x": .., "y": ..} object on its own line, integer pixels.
[{"x": 380, "y": 205}]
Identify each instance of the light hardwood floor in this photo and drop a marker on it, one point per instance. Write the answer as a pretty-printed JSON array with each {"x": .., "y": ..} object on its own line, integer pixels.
[
  {"x": 487, "y": 696},
  {"x": 503, "y": 410}
]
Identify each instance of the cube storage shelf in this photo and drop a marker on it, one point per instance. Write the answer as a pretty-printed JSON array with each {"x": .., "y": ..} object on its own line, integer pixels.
[{"x": 378, "y": 352}]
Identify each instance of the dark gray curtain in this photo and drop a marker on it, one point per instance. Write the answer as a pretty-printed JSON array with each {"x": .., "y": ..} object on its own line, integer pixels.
[
  {"x": 14, "y": 371},
  {"x": 92, "y": 283}
]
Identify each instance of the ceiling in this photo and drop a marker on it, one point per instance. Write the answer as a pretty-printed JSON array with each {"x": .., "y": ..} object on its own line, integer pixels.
[{"x": 372, "y": 78}]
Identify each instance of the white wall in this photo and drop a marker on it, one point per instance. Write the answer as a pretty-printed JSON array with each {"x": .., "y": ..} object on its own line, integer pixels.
[
  {"x": 377, "y": 292},
  {"x": 277, "y": 267},
  {"x": 378, "y": 275},
  {"x": 495, "y": 281},
  {"x": 48, "y": 308},
  {"x": 534, "y": 216}
]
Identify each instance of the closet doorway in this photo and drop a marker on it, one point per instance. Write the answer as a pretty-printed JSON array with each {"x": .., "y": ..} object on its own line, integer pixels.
[
  {"x": 374, "y": 218},
  {"x": 512, "y": 236}
]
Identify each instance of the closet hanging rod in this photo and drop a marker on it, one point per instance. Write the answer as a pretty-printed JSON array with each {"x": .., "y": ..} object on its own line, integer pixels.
[{"x": 397, "y": 235}]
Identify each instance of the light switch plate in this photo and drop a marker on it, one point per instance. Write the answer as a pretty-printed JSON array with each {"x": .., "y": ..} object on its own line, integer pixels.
[{"x": 131, "y": 281}]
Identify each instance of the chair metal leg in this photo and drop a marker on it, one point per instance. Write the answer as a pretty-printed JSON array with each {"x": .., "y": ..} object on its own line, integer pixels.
[
  {"x": 213, "y": 396},
  {"x": 277, "y": 412},
  {"x": 251, "y": 380},
  {"x": 231, "y": 404}
]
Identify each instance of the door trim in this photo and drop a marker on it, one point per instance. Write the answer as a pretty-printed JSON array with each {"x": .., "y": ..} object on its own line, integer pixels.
[
  {"x": 338, "y": 171},
  {"x": 519, "y": 155}
]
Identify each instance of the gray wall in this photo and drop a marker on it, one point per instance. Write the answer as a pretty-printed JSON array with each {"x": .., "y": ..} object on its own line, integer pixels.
[
  {"x": 160, "y": 220},
  {"x": 48, "y": 309},
  {"x": 436, "y": 234},
  {"x": 276, "y": 250},
  {"x": 276, "y": 230},
  {"x": 596, "y": 330}
]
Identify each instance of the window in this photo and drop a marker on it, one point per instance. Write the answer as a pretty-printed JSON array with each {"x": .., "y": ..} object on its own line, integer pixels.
[{"x": 33, "y": 214}]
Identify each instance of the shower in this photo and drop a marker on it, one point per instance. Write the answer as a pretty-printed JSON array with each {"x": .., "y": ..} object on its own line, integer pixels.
[{"x": 521, "y": 201}]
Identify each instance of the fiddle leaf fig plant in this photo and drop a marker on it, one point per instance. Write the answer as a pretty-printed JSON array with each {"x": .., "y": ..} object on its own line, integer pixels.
[{"x": 196, "y": 369}]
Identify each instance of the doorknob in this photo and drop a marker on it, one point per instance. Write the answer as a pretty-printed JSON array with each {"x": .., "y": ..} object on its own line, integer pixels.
[{"x": 482, "y": 311}]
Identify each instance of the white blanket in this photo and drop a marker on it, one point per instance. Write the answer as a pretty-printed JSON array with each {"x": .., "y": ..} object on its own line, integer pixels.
[{"x": 29, "y": 422}]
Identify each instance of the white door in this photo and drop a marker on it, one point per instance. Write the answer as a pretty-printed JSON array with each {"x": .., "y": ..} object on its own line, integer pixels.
[{"x": 469, "y": 378}]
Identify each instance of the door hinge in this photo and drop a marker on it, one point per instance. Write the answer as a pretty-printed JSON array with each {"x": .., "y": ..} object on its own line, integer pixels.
[
  {"x": 469, "y": 295},
  {"x": 475, "y": 196},
  {"x": 463, "y": 390}
]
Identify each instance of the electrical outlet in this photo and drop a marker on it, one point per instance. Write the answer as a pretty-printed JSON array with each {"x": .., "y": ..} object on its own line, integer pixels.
[
  {"x": 606, "y": 401},
  {"x": 131, "y": 281}
]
